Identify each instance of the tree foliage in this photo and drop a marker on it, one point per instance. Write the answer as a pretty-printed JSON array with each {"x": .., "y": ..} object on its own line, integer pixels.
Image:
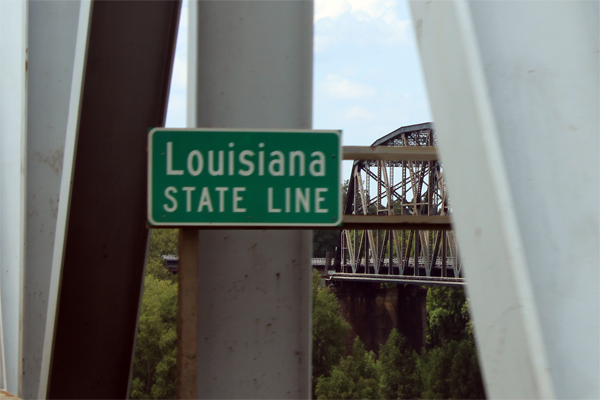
[
  {"x": 450, "y": 369},
  {"x": 447, "y": 316},
  {"x": 355, "y": 377},
  {"x": 325, "y": 240},
  {"x": 155, "y": 359},
  {"x": 397, "y": 365},
  {"x": 452, "y": 372},
  {"x": 154, "y": 371},
  {"x": 465, "y": 375},
  {"x": 395, "y": 375},
  {"x": 329, "y": 330},
  {"x": 162, "y": 242}
]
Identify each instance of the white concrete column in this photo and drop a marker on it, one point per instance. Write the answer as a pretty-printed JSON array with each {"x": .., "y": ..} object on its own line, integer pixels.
[
  {"x": 251, "y": 62},
  {"x": 52, "y": 33},
  {"x": 514, "y": 93},
  {"x": 13, "y": 131}
]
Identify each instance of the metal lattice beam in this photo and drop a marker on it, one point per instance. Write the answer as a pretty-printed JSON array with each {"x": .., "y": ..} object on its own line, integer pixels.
[{"x": 403, "y": 223}]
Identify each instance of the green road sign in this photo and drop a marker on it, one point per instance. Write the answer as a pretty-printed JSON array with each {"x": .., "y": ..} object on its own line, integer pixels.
[{"x": 228, "y": 177}]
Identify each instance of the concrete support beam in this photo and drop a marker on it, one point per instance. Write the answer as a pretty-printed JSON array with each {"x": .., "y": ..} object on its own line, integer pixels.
[
  {"x": 251, "y": 65},
  {"x": 99, "y": 261},
  {"x": 13, "y": 125},
  {"x": 52, "y": 34},
  {"x": 514, "y": 93}
]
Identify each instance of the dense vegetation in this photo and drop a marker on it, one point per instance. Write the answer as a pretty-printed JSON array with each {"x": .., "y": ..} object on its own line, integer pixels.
[
  {"x": 329, "y": 331},
  {"x": 154, "y": 372},
  {"x": 447, "y": 369}
]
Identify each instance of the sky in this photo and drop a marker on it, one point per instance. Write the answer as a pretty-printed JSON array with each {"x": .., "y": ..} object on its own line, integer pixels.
[{"x": 367, "y": 73}]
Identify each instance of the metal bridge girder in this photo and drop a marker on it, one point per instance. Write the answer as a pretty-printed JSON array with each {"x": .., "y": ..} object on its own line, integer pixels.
[{"x": 420, "y": 192}]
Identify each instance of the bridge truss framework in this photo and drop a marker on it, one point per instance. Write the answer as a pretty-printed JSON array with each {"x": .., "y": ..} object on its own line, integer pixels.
[{"x": 399, "y": 187}]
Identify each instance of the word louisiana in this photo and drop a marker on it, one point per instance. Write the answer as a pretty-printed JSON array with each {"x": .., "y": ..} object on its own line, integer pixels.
[{"x": 247, "y": 162}]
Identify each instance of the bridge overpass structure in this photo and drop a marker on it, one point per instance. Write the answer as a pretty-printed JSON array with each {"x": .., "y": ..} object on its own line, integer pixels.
[{"x": 411, "y": 187}]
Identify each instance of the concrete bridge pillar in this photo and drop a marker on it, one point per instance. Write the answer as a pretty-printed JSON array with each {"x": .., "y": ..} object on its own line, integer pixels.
[
  {"x": 412, "y": 314},
  {"x": 250, "y": 66},
  {"x": 373, "y": 312}
]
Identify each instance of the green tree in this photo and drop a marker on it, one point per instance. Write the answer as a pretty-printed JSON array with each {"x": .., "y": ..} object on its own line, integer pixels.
[
  {"x": 355, "y": 377},
  {"x": 450, "y": 369},
  {"x": 469, "y": 326},
  {"x": 155, "y": 359},
  {"x": 397, "y": 366},
  {"x": 329, "y": 330},
  {"x": 162, "y": 242},
  {"x": 154, "y": 370},
  {"x": 325, "y": 240},
  {"x": 465, "y": 376},
  {"x": 435, "y": 365},
  {"x": 447, "y": 315},
  {"x": 452, "y": 372}
]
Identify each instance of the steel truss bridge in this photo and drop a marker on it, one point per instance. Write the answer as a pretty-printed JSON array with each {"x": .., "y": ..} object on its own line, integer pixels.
[
  {"x": 417, "y": 252},
  {"x": 383, "y": 187}
]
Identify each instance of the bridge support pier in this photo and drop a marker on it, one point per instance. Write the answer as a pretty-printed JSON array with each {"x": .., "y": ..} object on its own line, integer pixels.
[
  {"x": 251, "y": 67},
  {"x": 412, "y": 314},
  {"x": 373, "y": 312}
]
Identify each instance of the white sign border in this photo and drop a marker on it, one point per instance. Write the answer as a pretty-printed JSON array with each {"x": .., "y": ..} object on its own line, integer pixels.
[{"x": 249, "y": 225}]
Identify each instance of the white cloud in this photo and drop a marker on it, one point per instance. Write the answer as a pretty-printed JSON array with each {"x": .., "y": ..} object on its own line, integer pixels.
[
  {"x": 358, "y": 112},
  {"x": 331, "y": 8},
  {"x": 343, "y": 88},
  {"x": 361, "y": 23},
  {"x": 335, "y": 8},
  {"x": 372, "y": 8}
]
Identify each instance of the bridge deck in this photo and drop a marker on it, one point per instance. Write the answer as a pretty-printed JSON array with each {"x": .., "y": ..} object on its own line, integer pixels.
[{"x": 402, "y": 279}]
